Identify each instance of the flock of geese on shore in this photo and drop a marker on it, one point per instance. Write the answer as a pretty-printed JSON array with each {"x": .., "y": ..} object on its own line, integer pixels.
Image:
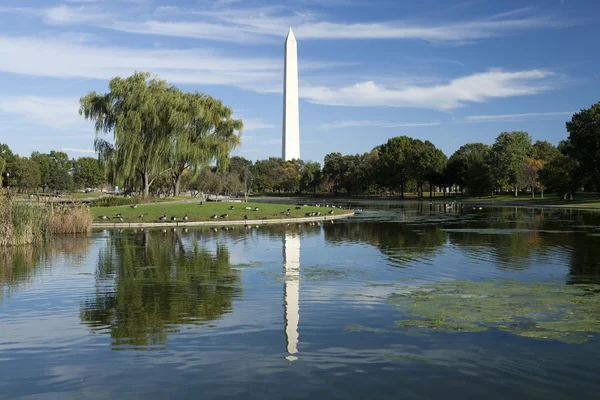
[{"x": 185, "y": 218}]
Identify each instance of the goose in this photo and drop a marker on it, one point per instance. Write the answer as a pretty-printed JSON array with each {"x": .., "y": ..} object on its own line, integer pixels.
[
  {"x": 330, "y": 212},
  {"x": 119, "y": 215},
  {"x": 225, "y": 215},
  {"x": 288, "y": 210},
  {"x": 163, "y": 217},
  {"x": 134, "y": 206},
  {"x": 248, "y": 208},
  {"x": 231, "y": 208},
  {"x": 174, "y": 218},
  {"x": 246, "y": 216},
  {"x": 318, "y": 214},
  {"x": 255, "y": 208},
  {"x": 185, "y": 217},
  {"x": 214, "y": 216},
  {"x": 103, "y": 217},
  {"x": 120, "y": 219},
  {"x": 142, "y": 215},
  {"x": 298, "y": 208}
]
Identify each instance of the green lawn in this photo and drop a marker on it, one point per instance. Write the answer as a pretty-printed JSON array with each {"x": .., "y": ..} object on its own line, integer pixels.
[{"x": 197, "y": 212}]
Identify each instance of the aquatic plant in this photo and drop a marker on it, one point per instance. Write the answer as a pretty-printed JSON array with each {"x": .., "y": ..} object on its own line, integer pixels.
[
  {"x": 541, "y": 310},
  {"x": 26, "y": 223}
]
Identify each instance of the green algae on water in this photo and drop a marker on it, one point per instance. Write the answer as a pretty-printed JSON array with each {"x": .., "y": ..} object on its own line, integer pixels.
[{"x": 541, "y": 310}]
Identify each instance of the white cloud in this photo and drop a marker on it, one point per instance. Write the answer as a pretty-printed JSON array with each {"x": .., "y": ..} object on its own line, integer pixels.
[
  {"x": 254, "y": 124},
  {"x": 508, "y": 117},
  {"x": 56, "y": 112},
  {"x": 65, "y": 58},
  {"x": 248, "y": 25},
  {"x": 88, "y": 150},
  {"x": 379, "y": 124},
  {"x": 477, "y": 87}
]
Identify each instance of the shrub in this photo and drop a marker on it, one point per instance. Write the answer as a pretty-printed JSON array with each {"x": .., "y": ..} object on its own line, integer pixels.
[{"x": 111, "y": 201}]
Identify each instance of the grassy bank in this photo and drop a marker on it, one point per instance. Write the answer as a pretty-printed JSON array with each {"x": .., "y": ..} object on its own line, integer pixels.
[
  {"x": 26, "y": 223},
  {"x": 197, "y": 212}
]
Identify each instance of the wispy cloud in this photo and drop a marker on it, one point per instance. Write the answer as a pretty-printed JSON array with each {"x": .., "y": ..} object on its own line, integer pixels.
[
  {"x": 55, "y": 112},
  {"x": 71, "y": 150},
  {"x": 260, "y": 24},
  {"x": 510, "y": 117},
  {"x": 255, "y": 124},
  {"x": 378, "y": 124},
  {"x": 477, "y": 87},
  {"x": 63, "y": 58}
]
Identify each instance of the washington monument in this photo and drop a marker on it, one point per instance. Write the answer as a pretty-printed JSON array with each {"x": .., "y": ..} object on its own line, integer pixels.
[{"x": 291, "y": 116}]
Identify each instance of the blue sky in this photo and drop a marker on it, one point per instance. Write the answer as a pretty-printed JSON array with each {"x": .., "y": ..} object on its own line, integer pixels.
[{"x": 450, "y": 72}]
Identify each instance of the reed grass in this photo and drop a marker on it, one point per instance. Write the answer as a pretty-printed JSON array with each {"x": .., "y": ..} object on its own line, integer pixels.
[{"x": 25, "y": 223}]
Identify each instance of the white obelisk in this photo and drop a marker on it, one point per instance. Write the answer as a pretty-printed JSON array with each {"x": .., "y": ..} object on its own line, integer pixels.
[
  {"x": 291, "y": 292},
  {"x": 291, "y": 115}
]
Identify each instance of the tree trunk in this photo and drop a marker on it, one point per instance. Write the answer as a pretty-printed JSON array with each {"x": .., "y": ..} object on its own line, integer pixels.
[
  {"x": 542, "y": 192},
  {"x": 532, "y": 192},
  {"x": 146, "y": 185},
  {"x": 430, "y": 190},
  {"x": 516, "y": 191}
]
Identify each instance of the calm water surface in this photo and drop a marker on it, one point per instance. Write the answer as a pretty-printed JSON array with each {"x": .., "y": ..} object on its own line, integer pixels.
[{"x": 399, "y": 302}]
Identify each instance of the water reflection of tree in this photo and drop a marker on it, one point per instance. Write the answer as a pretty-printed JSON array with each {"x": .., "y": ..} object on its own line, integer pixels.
[
  {"x": 20, "y": 264},
  {"x": 399, "y": 242},
  {"x": 150, "y": 283}
]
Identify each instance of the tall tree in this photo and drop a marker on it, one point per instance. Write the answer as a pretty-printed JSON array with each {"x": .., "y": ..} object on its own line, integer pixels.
[
  {"x": 584, "y": 138},
  {"x": 531, "y": 168},
  {"x": 141, "y": 114},
  {"x": 507, "y": 157},
  {"x": 396, "y": 162},
  {"x": 206, "y": 133},
  {"x": 243, "y": 169},
  {"x": 310, "y": 177},
  {"x": 88, "y": 172},
  {"x": 468, "y": 167},
  {"x": 24, "y": 174}
]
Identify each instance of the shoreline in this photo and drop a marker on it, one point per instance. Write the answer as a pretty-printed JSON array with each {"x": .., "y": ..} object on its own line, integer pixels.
[{"x": 97, "y": 225}]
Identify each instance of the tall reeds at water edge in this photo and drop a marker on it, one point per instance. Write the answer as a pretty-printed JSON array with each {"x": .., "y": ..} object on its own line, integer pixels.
[{"x": 25, "y": 222}]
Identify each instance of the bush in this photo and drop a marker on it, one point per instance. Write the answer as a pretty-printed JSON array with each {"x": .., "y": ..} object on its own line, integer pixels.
[{"x": 111, "y": 201}]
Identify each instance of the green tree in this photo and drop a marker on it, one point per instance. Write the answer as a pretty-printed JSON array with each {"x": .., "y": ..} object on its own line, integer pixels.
[
  {"x": 584, "y": 139},
  {"x": 244, "y": 171},
  {"x": 545, "y": 152},
  {"x": 44, "y": 163},
  {"x": 88, "y": 172},
  {"x": 206, "y": 133},
  {"x": 266, "y": 174},
  {"x": 6, "y": 153},
  {"x": 468, "y": 167},
  {"x": 2, "y": 166},
  {"x": 507, "y": 156},
  {"x": 24, "y": 174},
  {"x": 562, "y": 176},
  {"x": 310, "y": 177},
  {"x": 142, "y": 114},
  {"x": 396, "y": 162}
]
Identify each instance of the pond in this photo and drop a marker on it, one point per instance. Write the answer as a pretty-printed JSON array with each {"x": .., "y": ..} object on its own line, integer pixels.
[{"x": 400, "y": 301}]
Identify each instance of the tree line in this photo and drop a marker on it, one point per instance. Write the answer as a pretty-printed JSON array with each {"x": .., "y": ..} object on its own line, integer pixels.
[
  {"x": 154, "y": 139},
  {"x": 49, "y": 172}
]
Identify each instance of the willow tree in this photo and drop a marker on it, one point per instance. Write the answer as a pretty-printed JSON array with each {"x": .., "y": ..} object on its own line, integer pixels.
[
  {"x": 206, "y": 134},
  {"x": 141, "y": 114}
]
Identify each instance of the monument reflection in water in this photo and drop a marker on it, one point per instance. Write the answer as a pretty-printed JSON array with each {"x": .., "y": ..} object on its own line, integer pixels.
[{"x": 291, "y": 292}]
